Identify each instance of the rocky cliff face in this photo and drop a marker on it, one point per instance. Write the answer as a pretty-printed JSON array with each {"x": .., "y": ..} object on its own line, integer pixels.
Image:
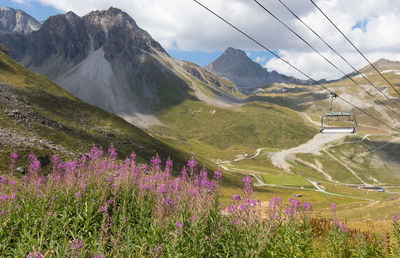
[
  {"x": 17, "y": 21},
  {"x": 235, "y": 65},
  {"x": 105, "y": 59}
]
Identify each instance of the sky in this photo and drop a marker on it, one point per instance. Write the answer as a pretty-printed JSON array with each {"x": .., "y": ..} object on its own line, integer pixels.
[{"x": 189, "y": 32}]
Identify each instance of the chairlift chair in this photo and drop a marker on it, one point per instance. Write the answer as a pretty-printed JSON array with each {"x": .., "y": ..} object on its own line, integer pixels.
[{"x": 338, "y": 122}]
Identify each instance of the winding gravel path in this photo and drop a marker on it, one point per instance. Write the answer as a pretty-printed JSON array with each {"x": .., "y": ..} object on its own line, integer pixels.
[{"x": 315, "y": 145}]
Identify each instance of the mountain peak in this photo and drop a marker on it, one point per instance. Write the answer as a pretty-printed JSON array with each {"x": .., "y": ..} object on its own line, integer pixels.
[
  {"x": 235, "y": 65},
  {"x": 4, "y": 8},
  {"x": 238, "y": 53},
  {"x": 115, "y": 10},
  {"x": 71, "y": 15},
  {"x": 386, "y": 64},
  {"x": 12, "y": 20},
  {"x": 112, "y": 12}
]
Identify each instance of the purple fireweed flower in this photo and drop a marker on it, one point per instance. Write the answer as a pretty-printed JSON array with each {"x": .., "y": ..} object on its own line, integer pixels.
[
  {"x": 170, "y": 202},
  {"x": 207, "y": 238},
  {"x": 295, "y": 204},
  {"x": 307, "y": 206},
  {"x": 13, "y": 158},
  {"x": 248, "y": 185},
  {"x": 16, "y": 207},
  {"x": 112, "y": 153},
  {"x": 194, "y": 192},
  {"x": 192, "y": 164},
  {"x": 4, "y": 197},
  {"x": 252, "y": 202},
  {"x": 333, "y": 206},
  {"x": 343, "y": 227},
  {"x": 83, "y": 160},
  {"x": 35, "y": 166},
  {"x": 218, "y": 175},
  {"x": 102, "y": 209},
  {"x": 395, "y": 217},
  {"x": 57, "y": 177},
  {"x": 128, "y": 161},
  {"x": 70, "y": 166},
  {"x": 184, "y": 174},
  {"x": 211, "y": 186},
  {"x": 95, "y": 153},
  {"x": 179, "y": 224},
  {"x": 176, "y": 186},
  {"x": 3, "y": 180},
  {"x": 275, "y": 217},
  {"x": 276, "y": 202},
  {"x": 35, "y": 255},
  {"x": 162, "y": 188},
  {"x": 289, "y": 211},
  {"x": 203, "y": 178},
  {"x": 55, "y": 160},
  {"x": 31, "y": 157},
  {"x": 169, "y": 164},
  {"x": 156, "y": 162},
  {"x": 157, "y": 249},
  {"x": 76, "y": 244},
  {"x": 78, "y": 194},
  {"x": 2, "y": 213},
  {"x": 42, "y": 179},
  {"x": 236, "y": 197},
  {"x": 243, "y": 207},
  {"x": 133, "y": 156},
  {"x": 144, "y": 167}
]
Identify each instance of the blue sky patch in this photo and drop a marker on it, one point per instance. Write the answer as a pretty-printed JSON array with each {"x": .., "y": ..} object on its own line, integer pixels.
[
  {"x": 35, "y": 9},
  {"x": 361, "y": 24}
]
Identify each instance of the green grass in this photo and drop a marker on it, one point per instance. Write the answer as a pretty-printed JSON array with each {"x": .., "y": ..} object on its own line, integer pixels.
[
  {"x": 82, "y": 124},
  {"x": 286, "y": 180},
  {"x": 245, "y": 127}
]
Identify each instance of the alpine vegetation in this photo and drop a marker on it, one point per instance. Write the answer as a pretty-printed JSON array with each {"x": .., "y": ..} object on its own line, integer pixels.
[{"x": 99, "y": 206}]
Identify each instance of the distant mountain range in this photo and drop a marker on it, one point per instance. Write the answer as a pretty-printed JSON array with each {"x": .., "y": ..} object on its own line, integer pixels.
[{"x": 105, "y": 59}]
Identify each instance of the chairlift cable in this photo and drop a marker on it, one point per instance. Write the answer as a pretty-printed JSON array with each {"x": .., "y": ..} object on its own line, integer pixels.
[
  {"x": 355, "y": 47},
  {"x": 294, "y": 67},
  {"x": 341, "y": 56},
  {"x": 321, "y": 55}
]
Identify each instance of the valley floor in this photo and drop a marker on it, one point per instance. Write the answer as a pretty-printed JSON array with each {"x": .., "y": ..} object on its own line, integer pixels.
[{"x": 304, "y": 171}]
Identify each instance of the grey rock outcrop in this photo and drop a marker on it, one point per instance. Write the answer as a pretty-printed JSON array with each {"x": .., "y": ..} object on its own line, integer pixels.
[
  {"x": 17, "y": 21},
  {"x": 105, "y": 59}
]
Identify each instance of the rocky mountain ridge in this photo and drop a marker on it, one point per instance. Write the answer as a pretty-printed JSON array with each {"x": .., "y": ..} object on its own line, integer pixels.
[
  {"x": 235, "y": 65},
  {"x": 12, "y": 20},
  {"x": 107, "y": 60}
]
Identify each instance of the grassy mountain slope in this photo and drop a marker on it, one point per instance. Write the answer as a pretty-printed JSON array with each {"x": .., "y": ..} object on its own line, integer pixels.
[
  {"x": 39, "y": 116},
  {"x": 216, "y": 132}
]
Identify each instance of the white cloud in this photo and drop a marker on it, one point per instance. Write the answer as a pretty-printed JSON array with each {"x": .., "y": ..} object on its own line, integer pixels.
[
  {"x": 192, "y": 28},
  {"x": 317, "y": 68},
  {"x": 260, "y": 59}
]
